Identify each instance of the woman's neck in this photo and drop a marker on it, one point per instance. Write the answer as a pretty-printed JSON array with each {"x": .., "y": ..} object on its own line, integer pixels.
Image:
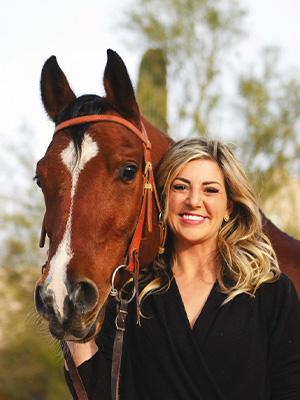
[{"x": 195, "y": 261}]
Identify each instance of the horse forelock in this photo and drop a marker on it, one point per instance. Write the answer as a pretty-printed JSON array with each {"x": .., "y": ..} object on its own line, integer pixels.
[{"x": 85, "y": 105}]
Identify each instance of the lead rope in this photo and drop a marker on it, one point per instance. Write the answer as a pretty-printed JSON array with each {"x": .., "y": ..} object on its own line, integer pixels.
[
  {"x": 74, "y": 374},
  {"x": 120, "y": 323},
  {"x": 117, "y": 349}
]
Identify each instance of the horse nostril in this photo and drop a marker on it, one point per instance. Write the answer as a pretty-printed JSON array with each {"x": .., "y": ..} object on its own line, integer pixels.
[
  {"x": 44, "y": 301},
  {"x": 85, "y": 296},
  {"x": 38, "y": 299}
]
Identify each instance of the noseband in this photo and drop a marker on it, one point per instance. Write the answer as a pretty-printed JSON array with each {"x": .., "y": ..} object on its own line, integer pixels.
[{"x": 149, "y": 191}]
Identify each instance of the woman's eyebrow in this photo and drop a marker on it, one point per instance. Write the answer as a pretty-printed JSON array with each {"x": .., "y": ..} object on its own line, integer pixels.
[
  {"x": 182, "y": 179},
  {"x": 211, "y": 182},
  {"x": 203, "y": 183}
]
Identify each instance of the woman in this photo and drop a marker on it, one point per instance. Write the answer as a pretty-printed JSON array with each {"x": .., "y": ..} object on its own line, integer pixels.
[{"x": 221, "y": 321}]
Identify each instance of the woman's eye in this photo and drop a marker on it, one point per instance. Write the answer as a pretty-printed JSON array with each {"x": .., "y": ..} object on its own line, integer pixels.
[
  {"x": 179, "y": 186},
  {"x": 37, "y": 181},
  {"x": 128, "y": 172},
  {"x": 211, "y": 190}
]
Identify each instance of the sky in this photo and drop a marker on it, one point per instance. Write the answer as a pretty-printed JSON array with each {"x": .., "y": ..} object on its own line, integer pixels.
[
  {"x": 274, "y": 23},
  {"x": 79, "y": 32}
]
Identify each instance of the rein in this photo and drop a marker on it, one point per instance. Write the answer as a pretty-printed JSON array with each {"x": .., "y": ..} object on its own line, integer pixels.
[{"x": 145, "y": 216}]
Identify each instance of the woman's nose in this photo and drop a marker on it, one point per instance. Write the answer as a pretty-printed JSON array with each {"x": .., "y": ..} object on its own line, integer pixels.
[{"x": 195, "y": 199}]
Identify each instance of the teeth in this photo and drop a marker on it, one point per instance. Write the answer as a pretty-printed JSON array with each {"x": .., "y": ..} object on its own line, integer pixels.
[{"x": 193, "y": 217}]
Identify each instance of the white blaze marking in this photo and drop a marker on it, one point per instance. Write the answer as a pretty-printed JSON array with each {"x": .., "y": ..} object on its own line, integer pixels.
[{"x": 56, "y": 278}]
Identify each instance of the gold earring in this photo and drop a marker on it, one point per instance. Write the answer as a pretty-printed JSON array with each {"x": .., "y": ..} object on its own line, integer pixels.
[{"x": 226, "y": 218}]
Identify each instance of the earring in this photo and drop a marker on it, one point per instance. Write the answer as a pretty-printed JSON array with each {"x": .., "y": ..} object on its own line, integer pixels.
[{"x": 226, "y": 218}]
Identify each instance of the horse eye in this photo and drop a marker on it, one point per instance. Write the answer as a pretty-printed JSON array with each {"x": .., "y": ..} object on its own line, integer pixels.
[
  {"x": 37, "y": 181},
  {"x": 128, "y": 172}
]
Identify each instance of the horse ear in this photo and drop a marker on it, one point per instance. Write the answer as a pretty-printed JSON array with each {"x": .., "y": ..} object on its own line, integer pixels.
[
  {"x": 55, "y": 89},
  {"x": 118, "y": 86}
]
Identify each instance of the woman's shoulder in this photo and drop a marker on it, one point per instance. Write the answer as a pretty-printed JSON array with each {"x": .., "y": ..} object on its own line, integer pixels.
[
  {"x": 278, "y": 299},
  {"x": 279, "y": 291},
  {"x": 282, "y": 286}
]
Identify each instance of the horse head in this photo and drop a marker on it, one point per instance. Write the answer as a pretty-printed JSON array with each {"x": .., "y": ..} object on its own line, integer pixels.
[{"x": 92, "y": 178}]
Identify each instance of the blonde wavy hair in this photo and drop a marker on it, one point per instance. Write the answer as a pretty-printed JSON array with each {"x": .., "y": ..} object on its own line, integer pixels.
[{"x": 245, "y": 254}]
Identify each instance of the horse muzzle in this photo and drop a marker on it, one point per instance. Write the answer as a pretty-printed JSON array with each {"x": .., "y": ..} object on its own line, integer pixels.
[{"x": 75, "y": 315}]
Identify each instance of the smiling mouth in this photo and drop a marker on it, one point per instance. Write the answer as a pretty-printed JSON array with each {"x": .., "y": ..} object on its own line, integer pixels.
[{"x": 192, "y": 217}]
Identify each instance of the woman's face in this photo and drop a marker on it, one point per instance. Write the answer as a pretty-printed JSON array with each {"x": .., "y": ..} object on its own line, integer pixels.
[{"x": 197, "y": 203}]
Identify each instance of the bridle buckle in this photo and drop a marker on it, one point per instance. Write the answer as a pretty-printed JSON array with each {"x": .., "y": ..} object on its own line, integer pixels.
[{"x": 117, "y": 294}]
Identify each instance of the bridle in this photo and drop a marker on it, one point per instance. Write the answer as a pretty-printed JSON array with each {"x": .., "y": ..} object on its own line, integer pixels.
[
  {"x": 149, "y": 187},
  {"x": 132, "y": 265}
]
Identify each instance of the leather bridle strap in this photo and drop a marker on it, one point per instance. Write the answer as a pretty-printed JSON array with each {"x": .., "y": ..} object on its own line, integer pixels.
[
  {"x": 149, "y": 188},
  {"x": 88, "y": 119},
  {"x": 74, "y": 374},
  {"x": 117, "y": 348}
]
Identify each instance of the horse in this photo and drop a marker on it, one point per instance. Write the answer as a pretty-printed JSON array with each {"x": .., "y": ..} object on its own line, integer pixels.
[{"x": 92, "y": 178}]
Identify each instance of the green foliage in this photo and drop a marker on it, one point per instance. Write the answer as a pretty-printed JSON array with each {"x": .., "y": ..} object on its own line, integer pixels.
[
  {"x": 22, "y": 206},
  {"x": 152, "y": 88},
  {"x": 30, "y": 361},
  {"x": 193, "y": 35},
  {"x": 270, "y": 107}
]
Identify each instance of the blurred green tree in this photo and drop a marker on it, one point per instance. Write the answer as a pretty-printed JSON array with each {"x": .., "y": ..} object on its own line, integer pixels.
[
  {"x": 269, "y": 104},
  {"x": 30, "y": 361},
  {"x": 195, "y": 36}
]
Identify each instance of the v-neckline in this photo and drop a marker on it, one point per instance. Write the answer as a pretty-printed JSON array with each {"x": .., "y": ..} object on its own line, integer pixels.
[
  {"x": 182, "y": 306},
  {"x": 207, "y": 315}
]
